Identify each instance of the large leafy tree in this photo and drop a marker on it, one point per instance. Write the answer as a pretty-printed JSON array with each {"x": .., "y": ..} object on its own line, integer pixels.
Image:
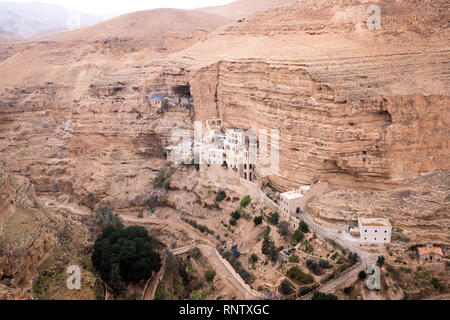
[{"x": 124, "y": 255}]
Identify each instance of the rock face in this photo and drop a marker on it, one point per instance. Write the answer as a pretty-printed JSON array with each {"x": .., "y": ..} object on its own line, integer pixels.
[{"x": 34, "y": 239}]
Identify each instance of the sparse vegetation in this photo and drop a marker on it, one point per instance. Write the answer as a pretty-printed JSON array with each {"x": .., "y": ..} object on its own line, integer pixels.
[
  {"x": 298, "y": 236},
  {"x": 221, "y": 196},
  {"x": 163, "y": 178},
  {"x": 304, "y": 227},
  {"x": 106, "y": 218},
  {"x": 286, "y": 287},
  {"x": 283, "y": 228},
  {"x": 258, "y": 220},
  {"x": 253, "y": 259},
  {"x": 362, "y": 275},
  {"x": 199, "y": 227},
  {"x": 298, "y": 276},
  {"x": 274, "y": 218},
  {"x": 245, "y": 202},
  {"x": 210, "y": 275}
]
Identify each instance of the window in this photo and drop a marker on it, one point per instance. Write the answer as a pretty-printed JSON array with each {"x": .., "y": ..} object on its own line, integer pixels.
[
  {"x": 365, "y": 238},
  {"x": 375, "y": 239},
  {"x": 376, "y": 230},
  {"x": 384, "y": 239},
  {"x": 365, "y": 230},
  {"x": 385, "y": 231}
]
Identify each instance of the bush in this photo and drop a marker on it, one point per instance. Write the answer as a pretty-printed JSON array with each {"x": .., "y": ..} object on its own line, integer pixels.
[
  {"x": 298, "y": 236},
  {"x": 236, "y": 215},
  {"x": 296, "y": 274},
  {"x": 233, "y": 222},
  {"x": 304, "y": 227},
  {"x": 348, "y": 290},
  {"x": 90, "y": 197},
  {"x": 323, "y": 296},
  {"x": 274, "y": 218},
  {"x": 294, "y": 259},
  {"x": 253, "y": 258},
  {"x": 380, "y": 260},
  {"x": 245, "y": 201},
  {"x": 221, "y": 196},
  {"x": 283, "y": 228},
  {"x": 105, "y": 218},
  {"x": 258, "y": 220},
  {"x": 286, "y": 288},
  {"x": 362, "y": 275},
  {"x": 324, "y": 264},
  {"x": 353, "y": 257},
  {"x": 124, "y": 255},
  {"x": 163, "y": 178},
  {"x": 313, "y": 266},
  {"x": 209, "y": 275},
  {"x": 141, "y": 214}
]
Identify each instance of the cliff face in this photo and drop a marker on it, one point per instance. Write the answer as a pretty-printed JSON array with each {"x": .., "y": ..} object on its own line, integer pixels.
[
  {"x": 37, "y": 242},
  {"x": 325, "y": 134}
]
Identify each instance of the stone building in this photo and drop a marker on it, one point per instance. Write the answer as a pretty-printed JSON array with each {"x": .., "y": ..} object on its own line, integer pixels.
[
  {"x": 156, "y": 99},
  {"x": 429, "y": 254},
  {"x": 374, "y": 230},
  {"x": 290, "y": 203}
]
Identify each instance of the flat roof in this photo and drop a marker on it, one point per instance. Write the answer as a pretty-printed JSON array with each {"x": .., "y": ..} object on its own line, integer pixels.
[
  {"x": 374, "y": 222},
  {"x": 292, "y": 195}
]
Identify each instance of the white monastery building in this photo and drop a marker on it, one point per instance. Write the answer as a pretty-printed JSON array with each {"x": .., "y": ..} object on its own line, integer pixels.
[{"x": 374, "y": 230}]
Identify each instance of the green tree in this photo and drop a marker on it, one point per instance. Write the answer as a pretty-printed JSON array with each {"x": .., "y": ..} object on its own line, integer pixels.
[
  {"x": 253, "y": 258},
  {"x": 210, "y": 275},
  {"x": 221, "y": 196},
  {"x": 245, "y": 201},
  {"x": 298, "y": 236},
  {"x": 268, "y": 246},
  {"x": 286, "y": 287},
  {"x": 274, "y": 218},
  {"x": 362, "y": 275},
  {"x": 258, "y": 220},
  {"x": 236, "y": 215},
  {"x": 380, "y": 260},
  {"x": 304, "y": 227},
  {"x": 124, "y": 254},
  {"x": 283, "y": 228}
]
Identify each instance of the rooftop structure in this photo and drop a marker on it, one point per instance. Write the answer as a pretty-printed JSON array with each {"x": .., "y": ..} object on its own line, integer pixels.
[{"x": 158, "y": 96}]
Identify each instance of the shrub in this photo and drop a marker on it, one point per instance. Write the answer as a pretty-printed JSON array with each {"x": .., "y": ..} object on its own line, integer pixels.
[
  {"x": 105, "y": 218},
  {"x": 294, "y": 259},
  {"x": 221, "y": 196},
  {"x": 286, "y": 288},
  {"x": 380, "y": 260},
  {"x": 283, "y": 228},
  {"x": 353, "y": 257},
  {"x": 304, "y": 227},
  {"x": 163, "y": 178},
  {"x": 313, "y": 266},
  {"x": 233, "y": 222},
  {"x": 245, "y": 201},
  {"x": 141, "y": 214},
  {"x": 298, "y": 236},
  {"x": 348, "y": 290},
  {"x": 209, "y": 275},
  {"x": 90, "y": 197},
  {"x": 274, "y": 218},
  {"x": 362, "y": 275},
  {"x": 324, "y": 264},
  {"x": 258, "y": 220},
  {"x": 236, "y": 215},
  {"x": 253, "y": 258},
  {"x": 296, "y": 274}
]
